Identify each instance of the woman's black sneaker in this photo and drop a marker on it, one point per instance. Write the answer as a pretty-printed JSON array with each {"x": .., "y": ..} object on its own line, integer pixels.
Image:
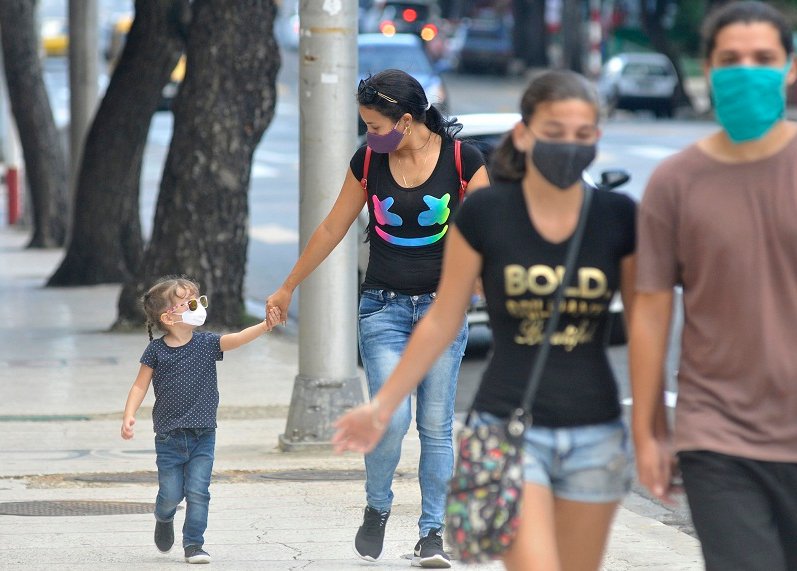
[
  {"x": 370, "y": 539},
  {"x": 195, "y": 554},
  {"x": 164, "y": 535},
  {"x": 429, "y": 552}
]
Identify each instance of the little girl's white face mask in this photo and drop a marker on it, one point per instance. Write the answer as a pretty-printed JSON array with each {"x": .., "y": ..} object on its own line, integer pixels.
[{"x": 195, "y": 317}]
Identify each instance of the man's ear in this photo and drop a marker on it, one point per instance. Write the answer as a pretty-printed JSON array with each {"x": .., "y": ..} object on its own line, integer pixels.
[
  {"x": 521, "y": 137},
  {"x": 791, "y": 77}
]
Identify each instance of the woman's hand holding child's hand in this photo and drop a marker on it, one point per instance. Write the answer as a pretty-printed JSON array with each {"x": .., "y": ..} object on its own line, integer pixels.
[
  {"x": 280, "y": 300},
  {"x": 127, "y": 427},
  {"x": 273, "y": 318}
]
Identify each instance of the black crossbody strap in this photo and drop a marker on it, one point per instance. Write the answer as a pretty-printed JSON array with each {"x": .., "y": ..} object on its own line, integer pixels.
[{"x": 553, "y": 321}]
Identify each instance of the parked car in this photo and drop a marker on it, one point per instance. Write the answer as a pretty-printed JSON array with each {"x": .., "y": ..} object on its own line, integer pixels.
[
  {"x": 54, "y": 37},
  {"x": 486, "y": 130},
  {"x": 639, "y": 81},
  {"x": 377, "y": 52},
  {"x": 417, "y": 17},
  {"x": 286, "y": 25},
  {"x": 484, "y": 43}
]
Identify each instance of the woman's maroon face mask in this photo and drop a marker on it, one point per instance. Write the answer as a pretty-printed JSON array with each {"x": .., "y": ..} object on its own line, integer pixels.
[{"x": 386, "y": 143}]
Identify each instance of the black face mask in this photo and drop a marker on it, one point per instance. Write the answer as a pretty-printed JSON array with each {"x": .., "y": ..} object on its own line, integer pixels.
[{"x": 561, "y": 164}]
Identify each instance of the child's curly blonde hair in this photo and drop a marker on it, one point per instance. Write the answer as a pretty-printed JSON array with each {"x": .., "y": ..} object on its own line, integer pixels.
[{"x": 161, "y": 296}]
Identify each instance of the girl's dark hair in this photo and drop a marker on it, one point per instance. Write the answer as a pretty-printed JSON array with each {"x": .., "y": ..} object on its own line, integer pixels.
[
  {"x": 410, "y": 98},
  {"x": 161, "y": 296},
  {"x": 507, "y": 162},
  {"x": 745, "y": 12}
]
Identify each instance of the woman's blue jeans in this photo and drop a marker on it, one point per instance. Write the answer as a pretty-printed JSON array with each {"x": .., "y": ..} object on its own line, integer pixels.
[
  {"x": 386, "y": 320},
  {"x": 185, "y": 463}
]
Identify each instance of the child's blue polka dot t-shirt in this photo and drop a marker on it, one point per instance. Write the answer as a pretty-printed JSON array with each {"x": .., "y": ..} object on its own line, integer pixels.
[{"x": 185, "y": 382}]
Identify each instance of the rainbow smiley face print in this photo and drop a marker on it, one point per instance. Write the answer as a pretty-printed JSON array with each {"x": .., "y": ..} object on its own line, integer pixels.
[{"x": 433, "y": 219}]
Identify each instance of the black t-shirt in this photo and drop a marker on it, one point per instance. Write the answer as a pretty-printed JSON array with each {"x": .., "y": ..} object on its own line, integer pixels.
[
  {"x": 519, "y": 275},
  {"x": 407, "y": 226}
]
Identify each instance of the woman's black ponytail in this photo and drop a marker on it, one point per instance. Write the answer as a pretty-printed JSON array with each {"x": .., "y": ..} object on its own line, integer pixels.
[{"x": 507, "y": 163}]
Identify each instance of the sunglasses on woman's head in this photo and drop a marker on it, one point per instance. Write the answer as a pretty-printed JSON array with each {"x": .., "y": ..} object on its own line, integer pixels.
[
  {"x": 367, "y": 94},
  {"x": 191, "y": 303}
]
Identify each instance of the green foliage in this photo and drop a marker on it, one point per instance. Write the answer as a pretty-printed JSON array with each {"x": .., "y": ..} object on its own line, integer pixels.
[{"x": 685, "y": 34}]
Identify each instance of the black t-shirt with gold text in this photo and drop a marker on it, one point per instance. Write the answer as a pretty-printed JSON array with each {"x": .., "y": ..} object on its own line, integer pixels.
[{"x": 521, "y": 271}]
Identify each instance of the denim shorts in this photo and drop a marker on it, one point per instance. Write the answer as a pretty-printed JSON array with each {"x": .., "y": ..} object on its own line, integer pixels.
[{"x": 591, "y": 463}]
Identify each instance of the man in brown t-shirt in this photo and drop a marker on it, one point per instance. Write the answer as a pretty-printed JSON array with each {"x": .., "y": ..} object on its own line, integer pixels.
[{"x": 720, "y": 220}]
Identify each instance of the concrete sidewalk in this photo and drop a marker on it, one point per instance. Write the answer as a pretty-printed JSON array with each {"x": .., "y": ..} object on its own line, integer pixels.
[{"x": 63, "y": 384}]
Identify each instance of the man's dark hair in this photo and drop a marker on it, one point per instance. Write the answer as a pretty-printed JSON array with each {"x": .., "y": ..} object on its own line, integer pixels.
[{"x": 745, "y": 12}]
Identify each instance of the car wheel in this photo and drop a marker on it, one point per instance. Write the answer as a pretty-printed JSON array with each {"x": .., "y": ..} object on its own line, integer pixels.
[
  {"x": 617, "y": 332},
  {"x": 480, "y": 342},
  {"x": 664, "y": 111},
  {"x": 611, "y": 104}
]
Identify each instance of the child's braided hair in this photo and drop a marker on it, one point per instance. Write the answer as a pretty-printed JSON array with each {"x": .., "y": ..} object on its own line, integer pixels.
[{"x": 161, "y": 296}]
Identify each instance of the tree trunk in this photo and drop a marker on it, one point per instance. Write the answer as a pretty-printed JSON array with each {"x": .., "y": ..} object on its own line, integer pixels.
[
  {"x": 652, "y": 23},
  {"x": 226, "y": 102},
  {"x": 530, "y": 32},
  {"x": 105, "y": 244},
  {"x": 573, "y": 35},
  {"x": 45, "y": 161}
]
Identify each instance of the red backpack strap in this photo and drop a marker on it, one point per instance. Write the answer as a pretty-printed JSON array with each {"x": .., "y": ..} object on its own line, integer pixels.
[
  {"x": 364, "y": 179},
  {"x": 463, "y": 184}
]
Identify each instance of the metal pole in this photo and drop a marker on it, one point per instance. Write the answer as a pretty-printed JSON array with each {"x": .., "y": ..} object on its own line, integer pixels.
[
  {"x": 83, "y": 64},
  {"x": 594, "y": 59},
  {"x": 327, "y": 383}
]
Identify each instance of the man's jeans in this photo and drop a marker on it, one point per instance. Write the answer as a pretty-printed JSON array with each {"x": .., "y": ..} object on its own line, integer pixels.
[
  {"x": 185, "y": 462},
  {"x": 386, "y": 321}
]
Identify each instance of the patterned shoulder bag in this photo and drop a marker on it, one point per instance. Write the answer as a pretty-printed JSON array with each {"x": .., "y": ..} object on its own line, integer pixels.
[{"x": 485, "y": 492}]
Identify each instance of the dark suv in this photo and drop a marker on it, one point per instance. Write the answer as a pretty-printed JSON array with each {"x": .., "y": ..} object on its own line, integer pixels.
[{"x": 485, "y": 43}]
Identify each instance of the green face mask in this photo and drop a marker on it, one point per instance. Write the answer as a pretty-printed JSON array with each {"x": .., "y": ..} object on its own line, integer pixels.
[{"x": 748, "y": 100}]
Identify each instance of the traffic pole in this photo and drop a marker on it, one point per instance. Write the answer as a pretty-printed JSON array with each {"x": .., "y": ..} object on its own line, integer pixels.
[
  {"x": 594, "y": 58},
  {"x": 328, "y": 383},
  {"x": 83, "y": 74}
]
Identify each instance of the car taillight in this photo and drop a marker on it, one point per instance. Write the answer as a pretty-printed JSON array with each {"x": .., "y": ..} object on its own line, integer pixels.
[
  {"x": 387, "y": 28},
  {"x": 429, "y": 32},
  {"x": 409, "y": 15}
]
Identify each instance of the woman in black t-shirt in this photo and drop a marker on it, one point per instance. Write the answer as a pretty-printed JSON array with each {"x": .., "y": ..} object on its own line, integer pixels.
[
  {"x": 514, "y": 235},
  {"x": 412, "y": 174}
]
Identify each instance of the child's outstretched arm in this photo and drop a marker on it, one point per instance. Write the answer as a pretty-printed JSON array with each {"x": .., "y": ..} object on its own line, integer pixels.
[
  {"x": 234, "y": 340},
  {"x": 134, "y": 398}
]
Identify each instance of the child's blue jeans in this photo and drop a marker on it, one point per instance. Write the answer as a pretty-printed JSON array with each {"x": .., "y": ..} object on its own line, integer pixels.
[{"x": 185, "y": 462}]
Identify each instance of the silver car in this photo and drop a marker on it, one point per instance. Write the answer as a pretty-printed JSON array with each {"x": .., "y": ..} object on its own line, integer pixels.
[{"x": 639, "y": 81}]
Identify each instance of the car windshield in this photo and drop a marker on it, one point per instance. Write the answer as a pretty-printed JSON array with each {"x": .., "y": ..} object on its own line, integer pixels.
[
  {"x": 374, "y": 59},
  {"x": 645, "y": 70}
]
